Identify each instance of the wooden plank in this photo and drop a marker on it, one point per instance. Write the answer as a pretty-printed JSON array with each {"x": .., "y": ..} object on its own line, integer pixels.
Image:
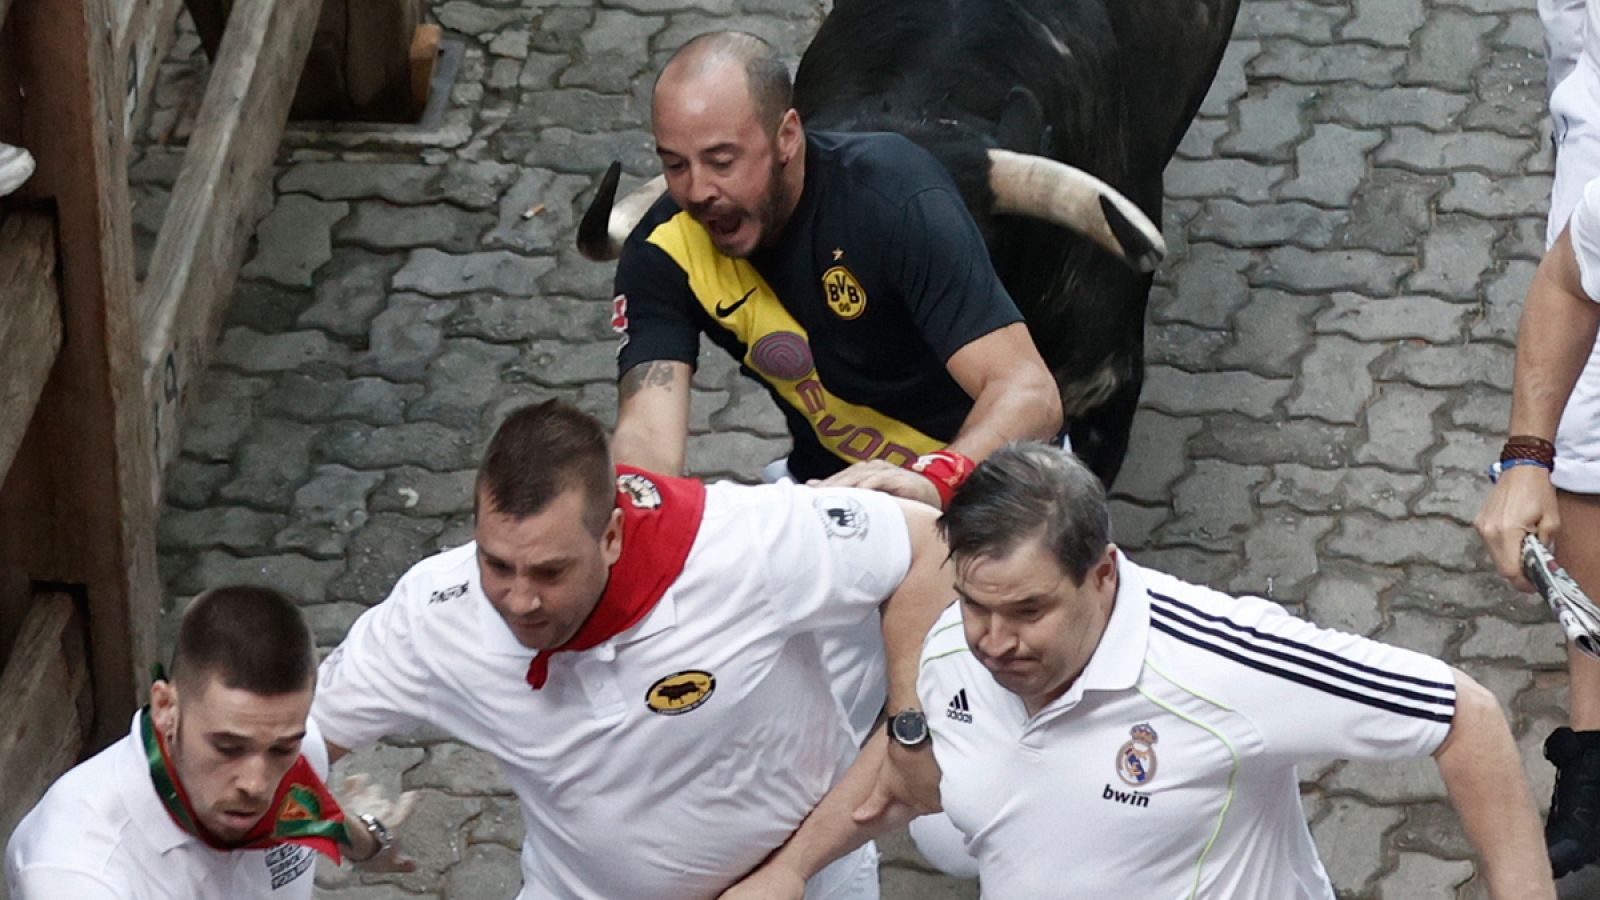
[
  {"x": 143, "y": 32},
  {"x": 42, "y": 729},
  {"x": 5, "y": 7},
  {"x": 30, "y": 322},
  {"x": 76, "y": 507},
  {"x": 225, "y": 173}
]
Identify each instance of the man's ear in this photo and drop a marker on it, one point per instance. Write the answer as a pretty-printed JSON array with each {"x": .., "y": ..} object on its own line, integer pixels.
[
  {"x": 1104, "y": 572},
  {"x": 164, "y": 707},
  {"x": 611, "y": 538},
  {"x": 790, "y": 136}
]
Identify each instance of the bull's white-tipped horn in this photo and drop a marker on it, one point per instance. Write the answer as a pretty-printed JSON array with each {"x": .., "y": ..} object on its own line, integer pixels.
[
  {"x": 1043, "y": 188},
  {"x": 620, "y": 218}
]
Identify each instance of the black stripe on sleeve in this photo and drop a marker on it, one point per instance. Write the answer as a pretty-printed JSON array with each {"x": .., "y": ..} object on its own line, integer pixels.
[
  {"x": 1304, "y": 648},
  {"x": 1325, "y": 687}
]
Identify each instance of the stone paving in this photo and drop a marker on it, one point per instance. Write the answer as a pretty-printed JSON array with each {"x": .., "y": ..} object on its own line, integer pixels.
[{"x": 1354, "y": 219}]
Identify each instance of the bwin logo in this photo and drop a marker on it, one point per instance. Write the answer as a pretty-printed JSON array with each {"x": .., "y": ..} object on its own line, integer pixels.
[
  {"x": 958, "y": 708},
  {"x": 1132, "y": 798}
]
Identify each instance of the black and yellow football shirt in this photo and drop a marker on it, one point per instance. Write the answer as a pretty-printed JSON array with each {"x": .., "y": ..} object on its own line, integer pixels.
[{"x": 878, "y": 278}]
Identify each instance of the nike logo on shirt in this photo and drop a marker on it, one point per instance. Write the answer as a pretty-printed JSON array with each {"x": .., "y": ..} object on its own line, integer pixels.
[{"x": 725, "y": 311}]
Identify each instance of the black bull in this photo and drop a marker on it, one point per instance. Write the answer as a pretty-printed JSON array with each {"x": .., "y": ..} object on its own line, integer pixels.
[{"x": 1107, "y": 86}]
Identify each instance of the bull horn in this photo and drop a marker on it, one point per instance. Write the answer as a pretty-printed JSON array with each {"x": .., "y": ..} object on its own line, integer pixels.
[
  {"x": 607, "y": 223},
  {"x": 1042, "y": 188}
]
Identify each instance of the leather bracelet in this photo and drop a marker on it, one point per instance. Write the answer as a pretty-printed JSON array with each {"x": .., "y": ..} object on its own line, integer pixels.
[
  {"x": 946, "y": 469},
  {"x": 1527, "y": 446}
]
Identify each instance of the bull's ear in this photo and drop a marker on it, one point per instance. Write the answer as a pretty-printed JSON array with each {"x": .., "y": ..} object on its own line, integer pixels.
[{"x": 1021, "y": 126}]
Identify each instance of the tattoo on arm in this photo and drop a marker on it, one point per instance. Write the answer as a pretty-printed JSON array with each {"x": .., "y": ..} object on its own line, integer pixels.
[{"x": 656, "y": 374}]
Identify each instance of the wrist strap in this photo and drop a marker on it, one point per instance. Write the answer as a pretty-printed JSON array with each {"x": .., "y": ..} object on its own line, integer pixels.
[
  {"x": 1530, "y": 447},
  {"x": 946, "y": 469},
  {"x": 1498, "y": 468}
]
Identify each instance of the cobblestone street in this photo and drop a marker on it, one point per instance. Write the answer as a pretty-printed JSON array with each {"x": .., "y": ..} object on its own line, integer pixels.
[{"x": 1353, "y": 222}]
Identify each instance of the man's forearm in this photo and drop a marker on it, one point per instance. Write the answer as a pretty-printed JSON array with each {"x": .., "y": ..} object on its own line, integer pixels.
[
  {"x": 1554, "y": 338},
  {"x": 915, "y": 605},
  {"x": 653, "y": 417},
  {"x": 1483, "y": 773},
  {"x": 1009, "y": 409}
]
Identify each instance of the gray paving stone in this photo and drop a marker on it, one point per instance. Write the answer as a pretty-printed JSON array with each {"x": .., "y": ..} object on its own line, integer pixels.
[
  {"x": 1482, "y": 408},
  {"x": 512, "y": 42},
  {"x": 266, "y": 307},
  {"x": 1193, "y": 565},
  {"x": 1235, "y": 178},
  {"x": 485, "y": 872},
  {"x": 1399, "y": 427},
  {"x": 1178, "y": 392},
  {"x": 1156, "y": 456},
  {"x": 562, "y": 149},
  {"x": 562, "y": 105},
  {"x": 610, "y": 60},
  {"x": 339, "y": 180},
  {"x": 499, "y": 823},
  {"x": 379, "y": 554},
  {"x": 537, "y": 212},
  {"x": 748, "y": 409},
  {"x": 461, "y": 381},
  {"x": 303, "y": 579},
  {"x": 426, "y": 444},
  {"x": 1271, "y": 120},
  {"x": 1393, "y": 318},
  {"x": 1392, "y": 211},
  {"x": 1432, "y": 828},
  {"x": 473, "y": 18},
  {"x": 327, "y": 509},
  {"x": 1213, "y": 504},
  {"x": 1481, "y": 195},
  {"x": 457, "y": 769},
  {"x": 1208, "y": 286},
  {"x": 382, "y": 226},
  {"x": 1230, "y": 82},
  {"x": 1387, "y": 542},
  {"x": 1530, "y": 645},
  {"x": 375, "y": 401},
  {"x": 434, "y": 272},
  {"x": 221, "y": 415},
  {"x": 441, "y": 817},
  {"x": 293, "y": 241},
  {"x": 1348, "y": 597},
  {"x": 253, "y": 352},
  {"x": 273, "y": 461},
  {"x": 1334, "y": 383},
  {"x": 541, "y": 70},
  {"x": 405, "y": 337},
  {"x": 1454, "y": 495},
  {"x": 1311, "y": 23},
  {"x": 1280, "y": 557},
  {"x": 1330, "y": 270},
  {"x": 734, "y": 455},
  {"x": 1236, "y": 224},
  {"x": 1310, "y": 443},
  {"x": 1407, "y": 781},
  {"x": 1418, "y": 873},
  {"x": 1330, "y": 164},
  {"x": 1387, "y": 22},
  {"x": 1290, "y": 60},
  {"x": 1364, "y": 107},
  {"x": 900, "y": 882},
  {"x": 1349, "y": 839},
  {"x": 330, "y": 622},
  {"x": 1446, "y": 51},
  {"x": 418, "y": 492},
  {"x": 558, "y": 364},
  {"x": 1430, "y": 366},
  {"x": 191, "y": 483},
  {"x": 1455, "y": 255},
  {"x": 350, "y": 291},
  {"x": 504, "y": 320},
  {"x": 1501, "y": 310},
  {"x": 474, "y": 184},
  {"x": 1133, "y": 526},
  {"x": 1200, "y": 141},
  {"x": 1511, "y": 94},
  {"x": 1427, "y": 151},
  {"x": 1184, "y": 346},
  {"x": 236, "y": 528},
  {"x": 1433, "y": 592},
  {"x": 1346, "y": 488},
  {"x": 1525, "y": 239},
  {"x": 1270, "y": 333}
]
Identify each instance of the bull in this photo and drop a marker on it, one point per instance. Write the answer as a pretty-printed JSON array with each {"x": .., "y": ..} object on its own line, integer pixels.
[{"x": 1056, "y": 119}]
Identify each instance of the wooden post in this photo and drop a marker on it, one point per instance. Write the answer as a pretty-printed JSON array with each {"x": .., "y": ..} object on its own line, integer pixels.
[
  {"x": 225, "y": 173},
  {"x": 44, "y": 693},
  {"x": 76, "y": 506}
]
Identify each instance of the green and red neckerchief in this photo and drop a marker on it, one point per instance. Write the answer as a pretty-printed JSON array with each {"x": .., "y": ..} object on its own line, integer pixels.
[{"x": 302, "y": 812}]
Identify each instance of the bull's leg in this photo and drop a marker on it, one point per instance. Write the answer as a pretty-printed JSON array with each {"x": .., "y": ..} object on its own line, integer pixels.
[{"x": 1100, "y": 436}]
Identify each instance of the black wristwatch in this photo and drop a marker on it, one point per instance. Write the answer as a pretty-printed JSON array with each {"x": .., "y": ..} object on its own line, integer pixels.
[{"x": 909, "y": 728}]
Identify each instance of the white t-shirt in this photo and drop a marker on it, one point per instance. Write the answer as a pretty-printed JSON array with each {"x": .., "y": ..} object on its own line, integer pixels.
[
  {"x": 102, "y": 833},
  {"x": 1167, "y": 770},
  {"x": 627, "y": 791}
]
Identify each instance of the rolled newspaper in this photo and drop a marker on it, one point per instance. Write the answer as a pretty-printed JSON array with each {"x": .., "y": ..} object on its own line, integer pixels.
[{"x": 1578, "y": 616}]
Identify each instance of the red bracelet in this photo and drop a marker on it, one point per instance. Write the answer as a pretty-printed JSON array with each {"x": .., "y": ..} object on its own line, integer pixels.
[{"x": 947, "y": 470}]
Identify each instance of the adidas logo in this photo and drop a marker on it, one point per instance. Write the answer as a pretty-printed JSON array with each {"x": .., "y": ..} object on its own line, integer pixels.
[{"x": 958, "y": 708}]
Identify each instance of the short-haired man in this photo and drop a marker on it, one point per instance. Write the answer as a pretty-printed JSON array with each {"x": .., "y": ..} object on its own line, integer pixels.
[
  {"x": 217, "y": 791},
  {"x": 638, "y": 653},
  {"x": 1104, "y": 730},
  {"x": 842, "y": 271}
]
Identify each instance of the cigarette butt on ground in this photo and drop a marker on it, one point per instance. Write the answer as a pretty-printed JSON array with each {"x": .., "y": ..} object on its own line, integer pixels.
[{"x": 535, "y": 210}]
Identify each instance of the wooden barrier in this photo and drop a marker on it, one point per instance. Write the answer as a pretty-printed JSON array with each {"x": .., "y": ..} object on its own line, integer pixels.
[{"x": 47, "y": 672}]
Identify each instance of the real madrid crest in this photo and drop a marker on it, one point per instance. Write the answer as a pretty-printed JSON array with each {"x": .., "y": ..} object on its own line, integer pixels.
[
  {"x": 680, "y": 692},
  {"x": 844, "y": 293},
  {"x": 641, "y": 491},
  {"x": 1136, "y": 761}
]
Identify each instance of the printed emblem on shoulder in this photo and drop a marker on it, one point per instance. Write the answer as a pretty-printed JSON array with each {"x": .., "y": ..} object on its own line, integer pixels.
[
  {"x": 680, "y": 692},
  {"x": 450, "y": 593},
  {"x": 641, "y": 491},
  {"x": 958, "y": 708},
  {"x": 843, "y": 517},
  {"x": 1136, "y": 760},
  {"x": 845, "y": 295},
  {"x": 619, "y": 319},
  {"x": 287, "y": 862}
]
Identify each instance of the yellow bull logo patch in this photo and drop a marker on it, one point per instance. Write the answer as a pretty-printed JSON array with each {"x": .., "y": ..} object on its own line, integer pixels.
[
  {"x": 676, "y": 694},
  {"x": 845, "y": 295}
]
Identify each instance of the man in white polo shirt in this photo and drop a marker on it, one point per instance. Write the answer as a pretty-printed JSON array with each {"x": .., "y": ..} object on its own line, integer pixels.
[
  {"x": 639, "y": 654},
  {"x": 217, "y": 791},
  {"x": 1103, "y": 730}
]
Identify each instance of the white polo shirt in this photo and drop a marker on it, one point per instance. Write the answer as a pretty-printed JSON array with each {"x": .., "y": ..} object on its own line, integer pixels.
[
  {"x": 102, "y": 833},
  {"x": 628, "y": 791},
  {"x": 1167, "y": 770}
]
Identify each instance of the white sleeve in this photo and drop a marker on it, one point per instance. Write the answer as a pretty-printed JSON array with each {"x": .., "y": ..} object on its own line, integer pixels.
[
  {"x": 833, "y": 554},
  {"x": 1314, "y": 693},
  {"x": 47, "y": 882},
  {"x": 374, "y": 683},
  {"x": 1585, "y": 228}
]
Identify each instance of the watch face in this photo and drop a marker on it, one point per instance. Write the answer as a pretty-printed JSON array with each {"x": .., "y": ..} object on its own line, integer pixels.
[{"x": 909, "y": 727}]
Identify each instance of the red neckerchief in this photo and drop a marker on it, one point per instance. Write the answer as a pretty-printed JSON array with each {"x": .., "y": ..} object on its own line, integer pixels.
[
  {"x": 302, "y": 810},
  {"x": 660, "y": 518}
]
